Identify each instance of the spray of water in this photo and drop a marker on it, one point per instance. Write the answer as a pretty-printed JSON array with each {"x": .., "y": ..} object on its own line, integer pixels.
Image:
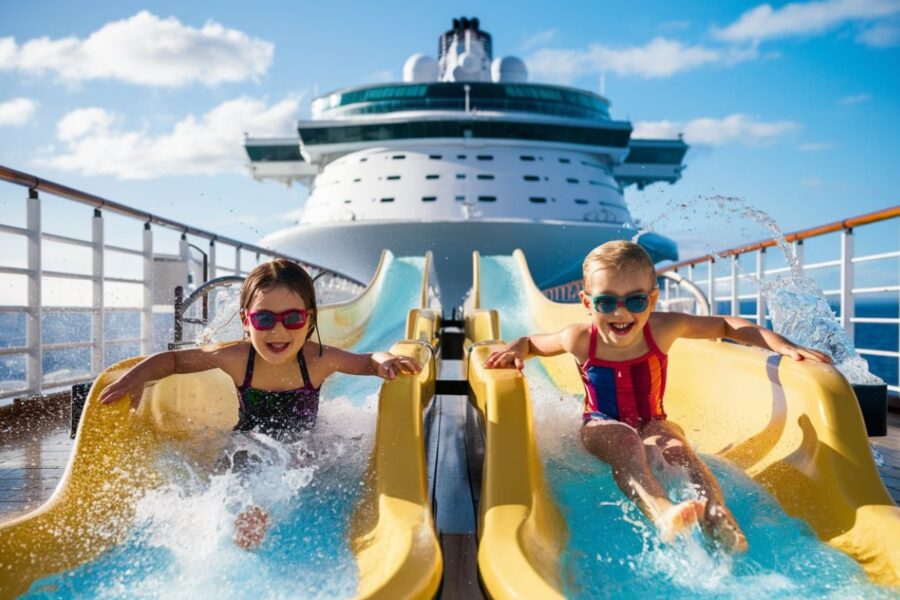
[{"x": 797, "y": 306}]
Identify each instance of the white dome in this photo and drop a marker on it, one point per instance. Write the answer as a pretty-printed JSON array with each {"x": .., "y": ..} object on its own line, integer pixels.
[
  {"x": 509, "y": 69},
  {"x": 420, "y": 68}
]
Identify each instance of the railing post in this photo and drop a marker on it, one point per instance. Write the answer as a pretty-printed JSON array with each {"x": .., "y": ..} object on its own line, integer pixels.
[
  {"x": 237, "y": 261},
  {"x": 711, "y": 286},
  {"x": 147, "y": 309},
  {"x": 735, "y": 305},
  {"x": 98, "y": 317},
  {"x": 209, "y": 300},
  {"x": 760, "y": 299},
  {"x": 798, "y": 252},
  {"x": 848, "y": 310},
  {"x": 34, "y": 359},
  {"x": 212, "y": 259}
]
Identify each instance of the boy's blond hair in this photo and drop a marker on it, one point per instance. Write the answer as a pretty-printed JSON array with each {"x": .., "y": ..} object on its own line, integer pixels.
[{"x": 621, "y": 255}]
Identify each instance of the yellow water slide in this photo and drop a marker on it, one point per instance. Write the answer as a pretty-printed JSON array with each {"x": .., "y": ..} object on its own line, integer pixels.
[
  {"x": 392, "y": 533},
  {"x": 794, "y": 427}
]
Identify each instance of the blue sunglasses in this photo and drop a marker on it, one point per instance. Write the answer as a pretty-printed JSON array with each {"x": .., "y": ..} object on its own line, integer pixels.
[{"x": 607, "y": 303}]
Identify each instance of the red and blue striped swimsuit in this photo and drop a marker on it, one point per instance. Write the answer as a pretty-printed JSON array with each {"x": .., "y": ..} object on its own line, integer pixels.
[{"x": 630, "y": 391}]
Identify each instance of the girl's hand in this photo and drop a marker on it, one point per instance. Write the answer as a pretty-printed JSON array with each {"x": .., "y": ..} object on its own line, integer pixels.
[
  {"x": 801, "y": 352},
  {"x": 513, "y": 355},
  {"x": 127, "y": 385},
  {"x": 389, "y": 366}
]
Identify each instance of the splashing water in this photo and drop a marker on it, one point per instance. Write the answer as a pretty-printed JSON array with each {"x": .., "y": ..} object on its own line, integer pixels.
[
  {"x": 797, "y": 306},
  {"x": 614, "y": 552}
]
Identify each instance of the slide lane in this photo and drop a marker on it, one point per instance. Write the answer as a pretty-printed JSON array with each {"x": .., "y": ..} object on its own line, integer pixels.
[
  {"x": 794, "y": 428},
  {"x": 113, "y": 464}
]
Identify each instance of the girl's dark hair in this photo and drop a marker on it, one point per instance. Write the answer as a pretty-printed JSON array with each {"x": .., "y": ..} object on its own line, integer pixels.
[{"x": 282, "y": 273}]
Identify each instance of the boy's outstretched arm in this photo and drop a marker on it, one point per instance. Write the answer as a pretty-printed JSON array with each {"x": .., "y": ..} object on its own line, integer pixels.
[
  {"x": 537, "y": 344},
  {"x": 740, "y": 330}
]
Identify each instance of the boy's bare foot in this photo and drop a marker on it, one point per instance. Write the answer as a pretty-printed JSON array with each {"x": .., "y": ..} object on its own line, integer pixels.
[
  {"x": 679, "y": 517},
  {"x": 721, "y": 526},
  {"x": 250, "y": 528}
]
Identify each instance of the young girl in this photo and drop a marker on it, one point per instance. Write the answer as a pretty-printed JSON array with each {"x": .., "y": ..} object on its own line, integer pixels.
[
  {"x": 621, "y": 354},
  {"x": 276, "y": 369}
]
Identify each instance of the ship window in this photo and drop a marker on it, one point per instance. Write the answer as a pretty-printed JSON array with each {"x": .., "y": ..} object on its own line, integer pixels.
[
  {"x": 393, "y": 177},
  {"x": 526, "y": 158},
  {"x": 432, "y": 176},
  {"x": 435, "y": 156},
  {"x": 429, "y": 198},
  {"x": 363, "y": 159},
  {"x": 347, "y": 201},
  {"x": 571, "y": 180},
  {"x": 357, "y": 180},
  {"x": 398, "y": 156},
  {"x": 460, "y": 175},
  {"x": 463, "y": 156},
  {"x": 483, "y": 176},
  {"x": 387, "y": 199},
  {"x": 580, "y": 201},
  {"x": 565, "y": 161},
  {"x": 531, "y": 178},
  {"x": 460, "y": 198},
  {"x": 485, "y": 157},
  {"x": 538, "y": 200},
  {"x": 487, "y": 198}
]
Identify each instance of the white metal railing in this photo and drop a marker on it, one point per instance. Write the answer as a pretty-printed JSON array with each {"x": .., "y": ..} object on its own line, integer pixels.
[
  {"x": 846, "y": 293},
  {"x": 36, "y": 306}
]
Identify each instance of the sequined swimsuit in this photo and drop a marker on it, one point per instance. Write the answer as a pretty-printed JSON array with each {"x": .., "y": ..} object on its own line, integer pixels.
[
  {"x": 275, "y": 412},
  {"x": 630, "y": 391}
]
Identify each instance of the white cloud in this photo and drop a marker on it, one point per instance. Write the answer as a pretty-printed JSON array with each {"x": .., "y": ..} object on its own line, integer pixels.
[
  {"x": 811, "y": 182},
  {"x": 144, "y": 50},
  {"x": 881, "y": 35},
  {"x": 542, "y": 38},
  {"x": 210, "y": 144},
  {"x": 803, "y": 18},
  {"x": 816, "y": 146},
  {"x": 661, "y": 57},
  {"x": 17, "y": 112},
  {"x": 709, "y": 131},
  {"x": 854, "y": 99}
]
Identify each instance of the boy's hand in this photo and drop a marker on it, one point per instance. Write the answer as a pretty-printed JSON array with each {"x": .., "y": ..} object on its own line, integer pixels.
[
  {"x": 389, "y": 366},
  {"x": 801, "y": 352},
  {"x": 127, "y": 385},
  {"x": 513, "y": 355}
]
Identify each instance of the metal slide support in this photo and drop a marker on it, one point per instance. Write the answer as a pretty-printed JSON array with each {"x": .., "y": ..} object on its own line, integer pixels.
[
  {"x": 98, "y": 343},
  {"x": 711, "y": 286},
  {"x": 147, "y": 307},
  {"x": 34, "y": 358}
]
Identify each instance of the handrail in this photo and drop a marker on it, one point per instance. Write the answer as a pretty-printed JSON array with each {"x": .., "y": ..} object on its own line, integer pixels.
[
  {"x": 32, "y": 182},
  {"x": 796, "y": 236}
]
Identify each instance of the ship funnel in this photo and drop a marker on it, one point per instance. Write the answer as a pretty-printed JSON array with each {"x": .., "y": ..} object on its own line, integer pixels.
[{"x": 465, "y": 52}]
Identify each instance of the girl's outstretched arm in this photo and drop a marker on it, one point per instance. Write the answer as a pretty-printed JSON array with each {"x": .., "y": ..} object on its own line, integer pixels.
[
  {"x": 537, "y": 344},
  {"x": 163, "y": 364},
  {"x": 737, "y": 329},
  {"x": 382, "y": 364}
]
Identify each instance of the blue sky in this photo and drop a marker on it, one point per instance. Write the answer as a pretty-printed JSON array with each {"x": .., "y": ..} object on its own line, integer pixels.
[{"x": 793, "y": 107}]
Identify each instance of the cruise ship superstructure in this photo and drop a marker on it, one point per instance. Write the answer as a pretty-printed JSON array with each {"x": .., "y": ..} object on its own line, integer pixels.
[{"x": 464, "y": 155}]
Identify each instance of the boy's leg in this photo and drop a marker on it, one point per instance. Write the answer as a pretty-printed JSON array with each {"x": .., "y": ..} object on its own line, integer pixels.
[
  {"x": 717, "y": 519},
  {"x": 621, "y": 447}
]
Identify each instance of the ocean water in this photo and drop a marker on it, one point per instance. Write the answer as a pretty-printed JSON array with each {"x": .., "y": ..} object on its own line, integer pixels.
[
  {"x": 180, "y": 545},
  {"x": 614, "y": 552}
]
